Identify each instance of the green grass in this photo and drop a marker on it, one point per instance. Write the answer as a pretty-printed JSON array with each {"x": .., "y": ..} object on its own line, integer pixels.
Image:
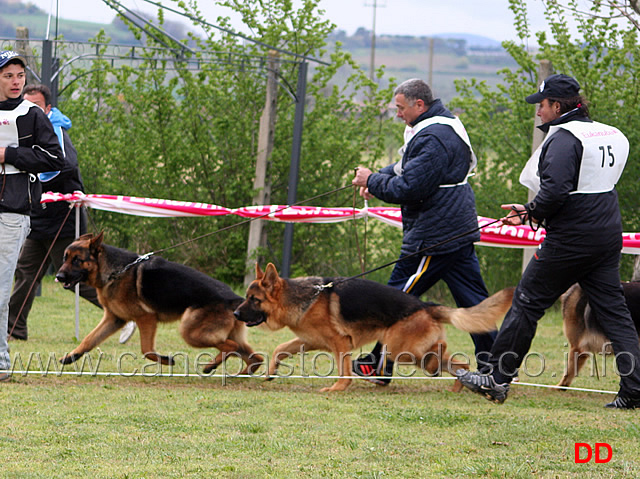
[{"x": 173, "y": 426}]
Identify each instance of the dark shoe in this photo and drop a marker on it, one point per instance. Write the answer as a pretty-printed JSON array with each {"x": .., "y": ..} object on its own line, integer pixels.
[
  {"x": 623, "y": 403},
  {"x": 483, "y": 384},
  {"x": 367, "y": 367},
  {"x": 4, "y": 376}
]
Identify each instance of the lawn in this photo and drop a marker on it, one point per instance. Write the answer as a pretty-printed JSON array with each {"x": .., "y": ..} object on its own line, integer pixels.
[{"x": 127, "y": 418}]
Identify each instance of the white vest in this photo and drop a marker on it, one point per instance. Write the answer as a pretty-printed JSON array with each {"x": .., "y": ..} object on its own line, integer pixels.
[
  {"x": 9, "y": 130},
  {"x": 605, "y": 152},
  {"x": 458, "y": 127}
]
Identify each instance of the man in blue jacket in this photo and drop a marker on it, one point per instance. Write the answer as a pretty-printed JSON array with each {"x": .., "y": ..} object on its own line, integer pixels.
[
  {"x": 28, "y": 146},
  {"x": 47, "y": 222},
  {"x": 437, "y": 203}
]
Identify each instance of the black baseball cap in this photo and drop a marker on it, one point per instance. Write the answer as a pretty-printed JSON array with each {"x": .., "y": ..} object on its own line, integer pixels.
[
  {"x": 8, "y": 55},
  {"x": 555, "y": 86}
]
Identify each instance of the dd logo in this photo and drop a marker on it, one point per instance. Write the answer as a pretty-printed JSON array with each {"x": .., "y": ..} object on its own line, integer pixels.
[{"x": 589, "y": 452}]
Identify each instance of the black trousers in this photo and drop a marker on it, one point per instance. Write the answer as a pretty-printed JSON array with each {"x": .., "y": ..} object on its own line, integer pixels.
[
  {"x": 460, "y": 270},
  {"x": 31, "y": 257},
  {"x": 551, "y": 271}
]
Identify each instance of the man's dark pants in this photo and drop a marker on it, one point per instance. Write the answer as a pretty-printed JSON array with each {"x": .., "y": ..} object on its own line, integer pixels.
[{"x": 31, "y": 257}]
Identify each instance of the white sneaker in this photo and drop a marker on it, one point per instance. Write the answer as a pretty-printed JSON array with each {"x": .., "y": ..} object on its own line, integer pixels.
[{"x": 127, "y": 332}]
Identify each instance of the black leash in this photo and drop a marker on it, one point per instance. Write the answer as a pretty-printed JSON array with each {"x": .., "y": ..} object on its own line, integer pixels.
[
  {"x": 146, "y": 256},
  {"x": 251, "y": 219},
  {"x": 35, "y": 279},
  {"x": 448, "y": 240}
]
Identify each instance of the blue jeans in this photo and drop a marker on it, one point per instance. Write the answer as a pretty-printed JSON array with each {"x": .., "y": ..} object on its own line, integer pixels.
[{"x": 14, "y": 229}]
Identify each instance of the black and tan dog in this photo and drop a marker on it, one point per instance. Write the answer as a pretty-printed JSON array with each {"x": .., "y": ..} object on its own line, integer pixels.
[
  {"x": 582, "y": 331},
  {"x": 335, "y": 315},
  {"x": 152, "y": 291}
]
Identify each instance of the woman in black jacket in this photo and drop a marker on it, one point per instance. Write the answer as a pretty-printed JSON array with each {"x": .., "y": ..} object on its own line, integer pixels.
[{"x": 573, "y": 174}]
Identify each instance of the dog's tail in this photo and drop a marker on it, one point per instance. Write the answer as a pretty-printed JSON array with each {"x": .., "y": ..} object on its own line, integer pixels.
[{"x": 479, "y": 318}]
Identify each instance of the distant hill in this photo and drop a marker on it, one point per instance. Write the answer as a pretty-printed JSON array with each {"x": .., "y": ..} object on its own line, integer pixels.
[
  {"x": 473, "y": 41},
  {"x": 455, "y": 55},
  {"x": 14, "y": 14}
]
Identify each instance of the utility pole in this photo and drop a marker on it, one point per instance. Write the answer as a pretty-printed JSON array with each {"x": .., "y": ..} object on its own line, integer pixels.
[
  {"x": 431, "y": 42},
  {"x": 372, "y": 61},
  {"x": 261, "y": 185}
]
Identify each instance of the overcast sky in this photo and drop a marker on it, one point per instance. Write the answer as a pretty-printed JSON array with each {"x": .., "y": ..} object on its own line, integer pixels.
[{"x": 489, "y": 18}]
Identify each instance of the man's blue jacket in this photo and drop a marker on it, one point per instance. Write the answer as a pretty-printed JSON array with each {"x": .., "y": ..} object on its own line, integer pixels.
[{"x": 431, "y": 213}]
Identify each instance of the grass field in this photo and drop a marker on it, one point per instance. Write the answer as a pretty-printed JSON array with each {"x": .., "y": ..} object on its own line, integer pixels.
[{"x": 150, "y": 426}]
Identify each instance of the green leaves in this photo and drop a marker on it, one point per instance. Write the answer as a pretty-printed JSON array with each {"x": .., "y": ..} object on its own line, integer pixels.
[
  {"x": 187, "y": 129},
  {"x": 605, "y": 59}
]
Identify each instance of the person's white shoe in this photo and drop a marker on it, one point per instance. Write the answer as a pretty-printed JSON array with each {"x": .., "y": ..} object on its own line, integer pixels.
[{"x": 127, "y": 332}]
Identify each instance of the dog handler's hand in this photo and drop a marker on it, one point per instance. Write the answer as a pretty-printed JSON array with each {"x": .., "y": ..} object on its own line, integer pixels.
[
  {"x": 517, "y": 215},
  {"x": 362, "y": 175}
]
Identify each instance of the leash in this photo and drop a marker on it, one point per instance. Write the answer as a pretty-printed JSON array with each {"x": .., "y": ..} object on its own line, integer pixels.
[
  {"x": 332, "y": 284},
  {"x": 252, "y": 219},
  {"x": 148, "y": 255},
  {"x": 139, "y": 259},
  {"x": 35, "y": 279}
]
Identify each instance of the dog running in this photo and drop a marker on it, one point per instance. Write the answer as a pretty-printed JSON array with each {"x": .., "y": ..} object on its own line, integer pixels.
[
  {"x": 581, "y": 328},
  {"x": 337, "y": 315},
  {"x": 151, "y": 291}
]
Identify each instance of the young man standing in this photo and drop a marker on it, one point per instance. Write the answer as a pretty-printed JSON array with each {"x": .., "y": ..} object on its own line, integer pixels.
[
  {"x": 28, "y": 146},
  {"x": 48, "y": 223}
]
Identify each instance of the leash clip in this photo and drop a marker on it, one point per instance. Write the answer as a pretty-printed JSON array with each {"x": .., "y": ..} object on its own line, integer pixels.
[
  {"x": 139, "y": 259},
  {"x": 322, "y": 287}
]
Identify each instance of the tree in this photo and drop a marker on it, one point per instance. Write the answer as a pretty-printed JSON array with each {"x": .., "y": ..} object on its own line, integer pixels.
[
  {"x": 186, "y": 129},
  {"x": 605, "y": 58}
]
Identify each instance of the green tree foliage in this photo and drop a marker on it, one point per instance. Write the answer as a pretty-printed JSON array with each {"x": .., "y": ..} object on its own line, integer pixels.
[
  {"x": 605, "y": 58},
  {"x": 187, "y": 129}
]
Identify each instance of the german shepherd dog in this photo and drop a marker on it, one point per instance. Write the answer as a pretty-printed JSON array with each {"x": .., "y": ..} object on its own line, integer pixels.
[
  {"x": 337, "y": 315},
  {"x": 582, "y": 330},
  {"x": 152, "y": 291}
]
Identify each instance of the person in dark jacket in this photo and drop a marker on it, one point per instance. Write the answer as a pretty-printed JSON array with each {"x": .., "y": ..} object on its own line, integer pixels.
[
  {"x": 437, "y": 204},
  {"x": 573, "y": 174},
  {"x": 28, "y": 146},
  {"x": 48, "y": 222}
]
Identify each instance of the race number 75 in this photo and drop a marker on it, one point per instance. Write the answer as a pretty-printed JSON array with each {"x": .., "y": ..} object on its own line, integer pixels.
[{"x": 606, "y": 152}]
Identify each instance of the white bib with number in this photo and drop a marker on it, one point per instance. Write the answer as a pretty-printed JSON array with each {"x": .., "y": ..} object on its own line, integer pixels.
[
  {"x": 9, "y": 130},
  {"x": 605, "y": 152}
]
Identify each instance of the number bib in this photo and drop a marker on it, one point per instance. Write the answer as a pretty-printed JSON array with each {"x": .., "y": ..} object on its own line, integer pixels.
[
  {"x": 605, "y": 152},
  {"x": 9, "y": 130}
]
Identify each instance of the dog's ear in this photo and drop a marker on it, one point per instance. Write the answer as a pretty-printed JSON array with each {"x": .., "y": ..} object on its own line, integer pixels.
[
  {"x": 259, "y": 273},
  {"x": 270, "y": 277},
  {"x": 96, "y": 244}
]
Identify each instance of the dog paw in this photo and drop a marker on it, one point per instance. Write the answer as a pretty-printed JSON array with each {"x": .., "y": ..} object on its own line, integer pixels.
[
  {"x": 209, "y": 368},
  {"x": 70, "y": 358}
]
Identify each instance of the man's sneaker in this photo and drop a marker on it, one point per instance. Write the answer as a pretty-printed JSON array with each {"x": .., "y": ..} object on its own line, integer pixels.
[
  {"x": 367, "y": 367},
  {"x": 621, "y": 402},
  {"x": 4, "y": 376},
  {"x": 483, "y": 384},
  {"x": 127, "y": 332}
]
